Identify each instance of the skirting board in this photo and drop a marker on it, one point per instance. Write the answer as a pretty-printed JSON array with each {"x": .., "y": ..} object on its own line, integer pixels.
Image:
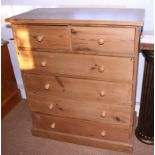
[
  {"x": 98, "y": 143},
  {"x": 105, "y": 144},
  {"x": 10, "y": 102}
]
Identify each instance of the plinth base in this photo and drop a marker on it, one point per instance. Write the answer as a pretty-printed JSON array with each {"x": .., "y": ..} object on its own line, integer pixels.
[{"x": 143, "y": 138}]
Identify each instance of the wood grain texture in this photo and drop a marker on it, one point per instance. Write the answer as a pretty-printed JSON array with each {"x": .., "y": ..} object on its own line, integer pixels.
[
  {"x": 146, "y": 46},
  {"x": 116, "y": 41},
  {"x": 104, "y": 144},
  {"x": 86, "y": 110},
  {"x": 38, "y": 37},
  {"x": 69, "y": 83},
  {"x": 76, "y": 65},
  {"x": 11, "y": 101},
  {"x": 22, "y": 125},
  {"x": 135, "y": 70},
  {"x": 78, "y": 89},
  {"x": 81, "y": 127},
  {"x": 10, "y": 93},
  {"x": 147, "y": 41},
  {"x": 134, "y": 17},
  {"x": 8, "y": 78}
]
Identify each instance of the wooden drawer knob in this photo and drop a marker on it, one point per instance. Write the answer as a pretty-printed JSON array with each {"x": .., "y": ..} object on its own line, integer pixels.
[
  {"x": 102, "y": 93},
  {"x": 43, "y": 63},
  {"x": 103, "y": 133},
  {"x": 101, "y": 69},
  {"x": 100, "y": 41},
  {"x": 73, "y": 31},
  {"x": 47, "y": 85},
  {"x": 52, "y": 125},
  {"x": 51, "y": 106},
  {"x": 40, "y": 38},
  {"x": 103, "y": 114}
]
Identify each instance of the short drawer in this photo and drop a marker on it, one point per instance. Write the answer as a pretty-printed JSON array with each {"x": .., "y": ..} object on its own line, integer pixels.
[
  {"x": 79, "y": 89},
  {"x": 77, "y": 65},
  {"x": 103, "y": 40},
  {"x": 86, "y": 110},
  {"x": 42, "y": 37},
  {"x": 81, "y": 127}
]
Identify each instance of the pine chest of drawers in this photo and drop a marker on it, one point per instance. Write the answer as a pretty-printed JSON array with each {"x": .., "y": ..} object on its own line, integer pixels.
[{"x": 79, "y": 68}]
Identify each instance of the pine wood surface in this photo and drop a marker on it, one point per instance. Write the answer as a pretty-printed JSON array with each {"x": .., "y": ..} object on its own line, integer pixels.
[
  {"x": 107, "y": 16},
  {"x": 116, "y": 41},
  {"x": 115, "y": 69},
  {"x": 19, "y": 121},
  {"x": 96, "y": 91},
  {"x": 90, "y": 64},
  {"x": 53, "y": 37},
  {"x": 84, "y": 110},
  {"x": 81, "y": 127}
]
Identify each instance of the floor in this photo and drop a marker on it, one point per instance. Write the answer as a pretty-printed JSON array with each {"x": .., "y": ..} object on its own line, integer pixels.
[{"x": 17, "y": 139}]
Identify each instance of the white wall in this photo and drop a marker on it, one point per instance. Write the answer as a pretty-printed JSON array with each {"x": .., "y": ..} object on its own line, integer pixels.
[{"x": 13, "y": 7}]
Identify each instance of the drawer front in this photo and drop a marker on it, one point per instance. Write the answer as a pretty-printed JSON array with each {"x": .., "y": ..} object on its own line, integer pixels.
[
  {"x": 42, "y": 37},
  {"x": 77, "y": 65},
  {"x": 81, "y": 127},
  {"x": 104, "y": 40},
  {"x": 86, "y": 110},
  {"x": 79, "y": 89}
]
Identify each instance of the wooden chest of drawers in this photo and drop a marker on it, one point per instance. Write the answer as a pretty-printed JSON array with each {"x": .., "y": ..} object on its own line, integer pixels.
[{"x": 79, "y": 68}]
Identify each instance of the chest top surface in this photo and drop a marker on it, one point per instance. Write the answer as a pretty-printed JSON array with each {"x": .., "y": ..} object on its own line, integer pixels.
[
  {"x": 147, "y": 41},
  {"x": 109, "y": 16}
]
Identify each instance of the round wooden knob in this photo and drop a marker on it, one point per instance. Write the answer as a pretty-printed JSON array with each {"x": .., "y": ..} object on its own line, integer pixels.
[
  {"x": 102, "y": 93},
  {"x": 51, "y": 106},
  {"x": 101, "y": 69},
  {"x": 73, "y": 31},
  {"x": 40, "y": 38},
  {"x": 52, "y": 125},
  {"x": 47, "y": 85},
  {"x": 100, "y": 41},
  {"x": 103, "y": 114},
  {"x": 103, "y": 133},
  {"x": 43, "y": 63}
]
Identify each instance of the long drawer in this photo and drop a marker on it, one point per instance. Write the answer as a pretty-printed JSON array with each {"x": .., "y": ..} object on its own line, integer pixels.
[
  {"x": 77, "y": 65},
  {"x": 103, "y": 40},
  {"x": 86, "y": 110},
  {"x": 79, "y": 89},
  {"x": 42, "y": 37},
  {"x": 81, "y": 127}
]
